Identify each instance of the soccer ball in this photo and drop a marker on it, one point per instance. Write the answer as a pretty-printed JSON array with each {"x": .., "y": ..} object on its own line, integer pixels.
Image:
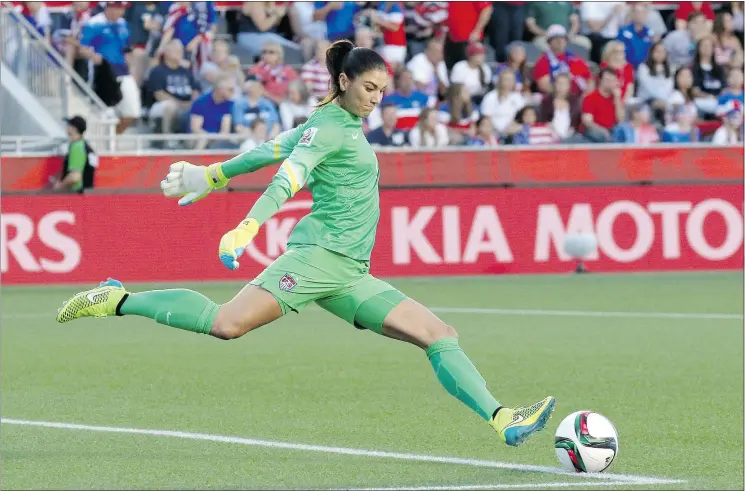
[{"x": 586, "y": 442}]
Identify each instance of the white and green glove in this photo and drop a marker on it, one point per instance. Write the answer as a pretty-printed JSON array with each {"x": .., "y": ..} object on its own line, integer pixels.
[{"x": 192, "y": 182}]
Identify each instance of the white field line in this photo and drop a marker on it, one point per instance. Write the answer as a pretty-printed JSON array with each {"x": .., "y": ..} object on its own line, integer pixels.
[
  {"x": 488, "y": 487},
  {"x": 505, "y": 312},
  {"x": 626, "y": 479}
]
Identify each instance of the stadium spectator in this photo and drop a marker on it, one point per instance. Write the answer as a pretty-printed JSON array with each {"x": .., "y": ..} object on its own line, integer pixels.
[
  {"x": 37, "y": 14},
  {"x": 105, "y": 40},
  {"x": 299, "y": 104},
  {"x": 422, "y": 22},
  {"x": 708, "y": 76},
  {"x": 516, "y": 61},
  {"x": 257, "y": 26},
  {"x": 465, "y": 24},
  {"x": 145, "y": 21},
  {"x": 256, "y": 135},
  {"x": 558, "y": 60},
  {"x": 561, "y": 109},
  {"x": 273, "y": 73},
  {"x": 685, "y": 9},
  {"x": 473, "y": 72},
  {"x": 637, "y": 130},
  {"x": 66, "y": 36},
  {"x": 387, "y": 135},
  {"x": 734, "y": 89},
  {"x": 542, "y": 15},
  {"x": 727, "y": 46},
  {"x": 731, "y": 131},
  {"x": 654, "y": 21},
  {"x": 308, "y": 32},
  {"x": 80, "y": 162},
  {"x": 408, "y": 101},
  {"x": 315, "y": 74},
  {"x": 529, "y": 131},
  {"x": 211, "y": 113},
  {"x": 254, "y": 105},
  {"x": 637, "y": 37},
  {"x": 503, "y": 103},
  {"x": 683, "y": 93},
  {"x": 654, "y": 80},
  {"x": 428, "y": 132},
  {"x": 681, "y": 128},
  {"x": 506, "y": 24},
  {"x": 678, "y": 43},
  {"x": 601, "y": 24},
  {"x": 222, "y": 62},
  {"x": 194, "y": 24},
  {"x": 614, "y": 56},
  {"x": 428, "y": 69},
  {"x": 458, "y": 113},
  {"x": 174, "y": 89},
  {"x": 485, "y": 135},
  {"x": 389, "y": 19},
  {"x": 339, "y": 18},
  {"x": 602, "y": 108}
]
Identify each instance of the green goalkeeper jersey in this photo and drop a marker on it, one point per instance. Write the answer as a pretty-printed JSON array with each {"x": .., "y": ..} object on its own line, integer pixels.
[{"x": 331, "y": 154}]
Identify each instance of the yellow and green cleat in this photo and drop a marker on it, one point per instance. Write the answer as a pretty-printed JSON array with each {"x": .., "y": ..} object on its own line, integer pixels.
[
  {"x": 514, "y": 426},
  {"x": 98, "y": 302}
]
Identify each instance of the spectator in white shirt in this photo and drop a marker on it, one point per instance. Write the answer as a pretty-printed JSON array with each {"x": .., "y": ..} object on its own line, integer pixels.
[
  {"x": 306, "y": 29},
  {"x": 503, "y": 103},
  {"x": 473, "y": 72},
  {"x": 655, "y": 80},
  {"x": 730, "y": 133},
  {"x": 429, "y": 70},
  {"x": 299, "y": 104},
  {"x": 429, "y": 132},
  {"x": 601, "y": 22},
  {"x": 314, "y": 74}
]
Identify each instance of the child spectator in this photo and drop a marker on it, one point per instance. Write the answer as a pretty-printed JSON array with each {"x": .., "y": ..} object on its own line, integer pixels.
[
  {"x": 637, "y": 37},
  {"x": 603, "y": 108},
  {"x": 637, "y": 130},
  {"x": 428, "y": 133},
  {"x": 485, "y": 134},
  {"x": 315, "y": 74},
  {"x": 473, "y": 72},
  {"x": 254, "y": 105},
  {"x": 273, "y": 73},
  {"x": 561, "y": 109},
  {"x": 558, "y": 60},
  {"x": 614, "y": 56},
  {"x": 734, "y": 90},
  {"x": 531, "y": 132},
  {"x": 299, "y": 104},
  {"x": 655, "y": 81},
  {"x": 683, "y": 93},
  {"x": 682, "y": 129},
  {"x": 731, "y": 131},
  {"x": 256, "y": 135},
  {"x": 387, "y": 135},
  {"x": 503, "y": 103}
]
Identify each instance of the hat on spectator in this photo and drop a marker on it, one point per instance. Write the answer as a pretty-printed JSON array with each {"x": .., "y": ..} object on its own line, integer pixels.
[
  {"x": 78, "y": 123},
  {"x": 555, "y": 30},
  {"x": 475, "y": 49}
]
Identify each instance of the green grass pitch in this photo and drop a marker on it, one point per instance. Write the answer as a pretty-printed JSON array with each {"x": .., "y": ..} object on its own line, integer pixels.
[{"x": 673, "y": 386}]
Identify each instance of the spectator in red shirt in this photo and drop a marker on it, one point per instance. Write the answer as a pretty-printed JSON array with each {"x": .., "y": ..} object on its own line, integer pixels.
[
  {"x": 466, "y": 23},
  {"x": 274, "y": 75},
  {"x": 614, "y": 56},
  {"x": 507, "y": 24},
  {"x": 687, "y": 8},
  {"x": 559, "y": 60},
  {"x": 603, "y": 108}
]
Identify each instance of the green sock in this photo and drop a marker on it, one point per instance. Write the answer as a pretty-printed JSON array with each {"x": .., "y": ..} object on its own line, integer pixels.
[
  {"x": 460, "y": 378},
  {"x": 182, "y": 309}
]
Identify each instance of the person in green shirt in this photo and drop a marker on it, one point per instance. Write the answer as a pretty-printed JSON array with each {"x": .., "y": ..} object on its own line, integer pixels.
[
  {"x": 80, "y": 161},
  {"x": 328, "y": 254},
  {"x": 542, "y": 15}
]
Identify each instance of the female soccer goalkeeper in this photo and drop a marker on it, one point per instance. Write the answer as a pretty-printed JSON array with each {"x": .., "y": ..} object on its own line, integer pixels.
[{"x": 328, "y": 256}]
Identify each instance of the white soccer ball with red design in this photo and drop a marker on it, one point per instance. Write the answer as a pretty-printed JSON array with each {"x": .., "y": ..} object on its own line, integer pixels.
[{"x": 586, "y": 442}]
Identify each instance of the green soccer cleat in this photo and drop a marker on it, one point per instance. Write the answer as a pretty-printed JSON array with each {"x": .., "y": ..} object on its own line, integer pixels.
[
  {"x": 98, "y": 302},
  {"x": 514, "y": 426}
]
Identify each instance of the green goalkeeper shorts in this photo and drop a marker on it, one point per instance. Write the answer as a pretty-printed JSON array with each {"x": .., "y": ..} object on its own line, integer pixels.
[{"x": 337, "y": 283}]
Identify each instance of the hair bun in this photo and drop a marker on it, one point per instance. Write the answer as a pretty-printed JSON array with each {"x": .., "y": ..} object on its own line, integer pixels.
[{"x": 335, "y": 56}]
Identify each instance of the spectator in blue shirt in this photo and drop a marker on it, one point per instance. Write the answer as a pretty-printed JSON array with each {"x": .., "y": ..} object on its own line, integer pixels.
[
  {"x": 339, "y": 17},
  {"x": 253, "y": 105},
  {"x": 387, "y": 135},
  {"x": 105, "y": 38},
  {"x": 637, "y": 37},
  {"x": 682, "y": 128},
  {"x": 212, "y": 113},
  {"x": 733, "y": 92}
]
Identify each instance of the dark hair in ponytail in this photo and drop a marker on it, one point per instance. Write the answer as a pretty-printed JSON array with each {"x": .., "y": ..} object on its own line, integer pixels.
[{"x": 343, "y": 57}]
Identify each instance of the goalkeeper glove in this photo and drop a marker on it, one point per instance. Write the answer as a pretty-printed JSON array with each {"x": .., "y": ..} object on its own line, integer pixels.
[
  {"x": 235, "y": 242},
  {"x": 192, "y": 182}
]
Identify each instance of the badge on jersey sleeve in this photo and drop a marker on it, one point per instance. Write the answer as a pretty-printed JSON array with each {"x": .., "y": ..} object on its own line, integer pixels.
[{"x": 307, "y": 138}]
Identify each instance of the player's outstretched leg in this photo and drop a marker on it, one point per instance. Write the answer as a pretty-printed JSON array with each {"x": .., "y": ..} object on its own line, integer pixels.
[
  {"x": 183, "y": 309},
  {"x": 414, "y": 323}
]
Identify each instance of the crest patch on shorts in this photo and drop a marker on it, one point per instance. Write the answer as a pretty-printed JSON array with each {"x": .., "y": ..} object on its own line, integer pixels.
[
  {"x": 307, "y": 137},
  {"x": 287, "y": 283}
]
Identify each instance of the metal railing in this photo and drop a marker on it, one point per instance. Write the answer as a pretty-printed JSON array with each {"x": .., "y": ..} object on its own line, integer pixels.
[{"x": 43, "y": 71}]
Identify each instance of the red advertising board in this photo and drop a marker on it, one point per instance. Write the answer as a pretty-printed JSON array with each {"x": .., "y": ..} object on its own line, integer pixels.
[
  {"x": 145, "y": 237},
  {"x": 423, "y": 168}
]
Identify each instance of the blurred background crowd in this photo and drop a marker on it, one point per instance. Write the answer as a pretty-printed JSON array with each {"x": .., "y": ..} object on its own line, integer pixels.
[{"x": 465, "y": 73}]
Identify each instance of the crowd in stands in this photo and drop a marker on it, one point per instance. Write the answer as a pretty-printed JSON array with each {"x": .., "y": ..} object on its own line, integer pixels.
[{"x": 465, "y": 73}]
